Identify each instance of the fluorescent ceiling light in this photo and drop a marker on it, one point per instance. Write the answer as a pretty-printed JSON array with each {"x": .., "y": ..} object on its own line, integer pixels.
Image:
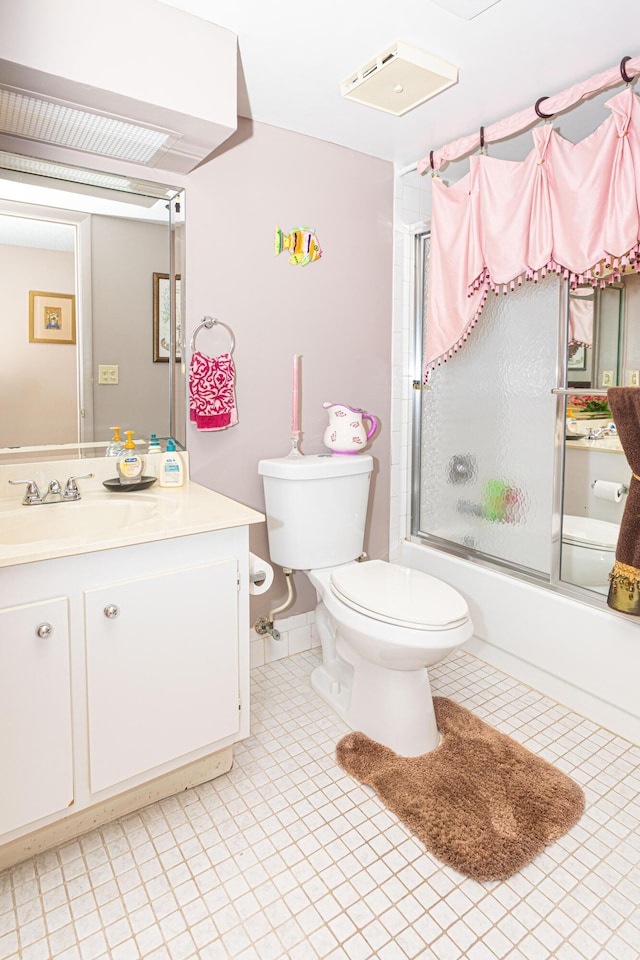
[
  {"x": 94, "y": 178},
  {"x": 25, "y": 115}
]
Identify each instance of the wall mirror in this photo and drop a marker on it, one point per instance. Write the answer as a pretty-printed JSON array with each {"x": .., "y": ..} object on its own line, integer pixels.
[
  {"x": 596, "y": 336},
  {"x": 87, "y": 341},
  {"x": 603, "y": 351}
]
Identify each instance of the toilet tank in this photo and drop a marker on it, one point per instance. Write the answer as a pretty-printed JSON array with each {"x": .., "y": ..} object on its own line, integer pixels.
[{"x": 316, "y": 508}]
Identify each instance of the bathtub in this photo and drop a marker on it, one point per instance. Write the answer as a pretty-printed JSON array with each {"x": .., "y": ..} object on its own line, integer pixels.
[{"x": 582, "y": 654}]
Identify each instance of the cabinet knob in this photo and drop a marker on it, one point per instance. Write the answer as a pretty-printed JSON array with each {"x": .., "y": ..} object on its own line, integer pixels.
[
  {"x": 111, "y": 611},
  {"x": 44, "y": 631}
]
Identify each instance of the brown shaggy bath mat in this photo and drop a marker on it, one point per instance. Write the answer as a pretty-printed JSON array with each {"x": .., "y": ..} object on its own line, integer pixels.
[{"x": 479, "y": 802}]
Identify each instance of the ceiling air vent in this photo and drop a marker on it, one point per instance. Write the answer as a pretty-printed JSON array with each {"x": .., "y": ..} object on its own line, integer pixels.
[{"x": 399, "y": 79}]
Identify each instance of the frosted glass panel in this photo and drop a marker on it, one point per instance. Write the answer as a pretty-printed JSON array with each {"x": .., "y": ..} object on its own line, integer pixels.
[{"x": 488, "y": 423}]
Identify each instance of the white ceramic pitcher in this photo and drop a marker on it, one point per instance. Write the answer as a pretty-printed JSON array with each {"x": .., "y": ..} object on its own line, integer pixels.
[{"x": 346, "y": 433}]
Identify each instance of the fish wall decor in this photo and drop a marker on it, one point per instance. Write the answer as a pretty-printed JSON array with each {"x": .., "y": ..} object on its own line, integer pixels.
[{"x": 302, "y": 242}]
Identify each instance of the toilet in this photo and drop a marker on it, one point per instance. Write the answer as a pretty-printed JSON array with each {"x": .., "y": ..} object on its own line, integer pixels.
[
  {"x": 381, "y": 625},
  {"x": 588, "y": 551}
]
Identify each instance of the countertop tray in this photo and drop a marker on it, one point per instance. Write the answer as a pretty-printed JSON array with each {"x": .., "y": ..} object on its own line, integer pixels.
[{"x": 142, "y": 484}]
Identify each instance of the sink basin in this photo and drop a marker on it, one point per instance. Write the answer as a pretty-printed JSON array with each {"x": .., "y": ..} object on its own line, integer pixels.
[{"x": 86, "y": 520}]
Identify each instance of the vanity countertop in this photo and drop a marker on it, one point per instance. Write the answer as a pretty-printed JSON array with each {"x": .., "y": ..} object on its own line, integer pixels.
[
  {"x": 103, "y": 520},
  {"x": 601, "y": 444}
]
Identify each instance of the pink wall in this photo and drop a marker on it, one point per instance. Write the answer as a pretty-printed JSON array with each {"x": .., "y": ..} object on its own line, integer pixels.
[{"x": 335, "y": 312}]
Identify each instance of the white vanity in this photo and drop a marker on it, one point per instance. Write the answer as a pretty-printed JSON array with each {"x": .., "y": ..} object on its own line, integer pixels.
[{"x": 124, "y": 649}]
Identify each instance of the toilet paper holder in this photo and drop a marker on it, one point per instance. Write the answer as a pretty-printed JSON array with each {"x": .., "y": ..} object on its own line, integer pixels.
[
  {"x": 260, "y": 575},
  {"x": 623, "y": 487}
]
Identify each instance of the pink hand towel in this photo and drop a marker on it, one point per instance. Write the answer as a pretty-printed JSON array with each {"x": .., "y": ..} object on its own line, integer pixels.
[{"x": 212, "y": 399}]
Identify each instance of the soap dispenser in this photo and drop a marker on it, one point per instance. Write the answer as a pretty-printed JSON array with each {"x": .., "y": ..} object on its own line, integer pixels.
[
  {"x": 130, "y": 463},
  {"x": 154, "y": 444},
  {"x": 171, "y": 466},
  {"x": 115, "y": 445}
]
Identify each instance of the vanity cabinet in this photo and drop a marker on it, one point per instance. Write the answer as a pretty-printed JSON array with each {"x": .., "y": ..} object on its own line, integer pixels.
[
  {"x": 162, "y": 668},
  {"x": 36, "y": 745},
  {"x": 139, "y": 690}
]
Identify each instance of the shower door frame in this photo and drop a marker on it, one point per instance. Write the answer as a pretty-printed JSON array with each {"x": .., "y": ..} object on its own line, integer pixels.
[{"x": 552, "y": 581}]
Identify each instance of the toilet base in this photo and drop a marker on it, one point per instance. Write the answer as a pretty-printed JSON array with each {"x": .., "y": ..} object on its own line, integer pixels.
[{"x": 392, "y": 707}]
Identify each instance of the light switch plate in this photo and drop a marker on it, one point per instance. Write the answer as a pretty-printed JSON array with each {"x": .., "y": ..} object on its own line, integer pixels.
[
  {"x": 107, "y": 373},
  {"x": 607, "y": 378},
  {"x": 633, "y": 378}
]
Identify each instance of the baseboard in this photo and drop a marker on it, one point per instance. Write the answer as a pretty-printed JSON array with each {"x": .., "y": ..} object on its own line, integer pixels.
[
  {"x": 296, "y": 636},
  {"x": 74, "y": 825},
  {"x": 605, "y": 714}
]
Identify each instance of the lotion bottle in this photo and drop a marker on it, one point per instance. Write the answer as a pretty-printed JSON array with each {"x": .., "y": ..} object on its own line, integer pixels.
[
  {"x": 171, "y": 467},
  {"x": 154, "y": 444},
  {"x": 129, "y": 463}
]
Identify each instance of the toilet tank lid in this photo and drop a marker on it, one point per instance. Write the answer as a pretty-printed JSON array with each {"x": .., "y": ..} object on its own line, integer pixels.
[
  {"x": 584, "y": 530},
  {"x": 400, "y": 594},
  {"x": 321, "y": 466}
]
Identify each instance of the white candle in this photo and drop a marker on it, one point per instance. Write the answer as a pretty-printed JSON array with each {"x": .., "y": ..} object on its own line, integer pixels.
[{"x": 294, "y": 398}]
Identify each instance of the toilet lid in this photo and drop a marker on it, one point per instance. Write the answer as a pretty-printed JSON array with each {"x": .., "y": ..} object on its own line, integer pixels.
[
  {"x": 585, "y": 532},
  {"x": 400, "y": 595}
]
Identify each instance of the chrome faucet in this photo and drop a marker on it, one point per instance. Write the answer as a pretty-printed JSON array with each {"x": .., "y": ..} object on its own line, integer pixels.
[
  {"x": 594, "y": 434},
  {"x": 55, "y": 493}
]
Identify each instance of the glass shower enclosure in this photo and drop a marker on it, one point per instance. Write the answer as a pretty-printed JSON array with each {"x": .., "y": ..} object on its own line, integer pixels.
[{"x": 487, "y": 432}]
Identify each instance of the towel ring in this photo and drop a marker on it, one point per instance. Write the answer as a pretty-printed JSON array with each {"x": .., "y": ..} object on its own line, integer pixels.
[{"x": 209, "y": 322}]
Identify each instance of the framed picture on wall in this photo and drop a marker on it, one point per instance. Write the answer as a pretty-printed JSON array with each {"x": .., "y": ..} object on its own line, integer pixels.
[
  {"x": 577, "y": 356},
  {"x": 52, "y": 317},
  {"x": 162, "y": 318}
]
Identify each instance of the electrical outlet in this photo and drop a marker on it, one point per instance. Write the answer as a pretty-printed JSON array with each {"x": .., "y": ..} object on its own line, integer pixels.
[
  {"x": 107, "y": 373},
  {"x": 607, "y": 378},
  {"x": 633, "y": 378}
]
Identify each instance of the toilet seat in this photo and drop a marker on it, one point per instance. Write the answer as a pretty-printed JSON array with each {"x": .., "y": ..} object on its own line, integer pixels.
[
  {"x": 590, "y": 534},
  {"x": 399, "y": 595}
]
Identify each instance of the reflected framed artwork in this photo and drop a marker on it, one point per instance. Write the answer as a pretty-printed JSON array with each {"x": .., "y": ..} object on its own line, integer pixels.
[
  {"x": 162, "y": 318},
  {"x": 52, "y": 317},
  {"x": 577, "y": 357}
]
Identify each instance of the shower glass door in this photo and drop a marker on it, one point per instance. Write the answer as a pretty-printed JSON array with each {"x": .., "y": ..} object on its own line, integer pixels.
[{"x": 487, "y": 431}]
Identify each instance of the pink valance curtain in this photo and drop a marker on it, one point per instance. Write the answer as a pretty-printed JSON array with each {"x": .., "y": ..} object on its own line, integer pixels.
[{"x": 573, "y": 209}]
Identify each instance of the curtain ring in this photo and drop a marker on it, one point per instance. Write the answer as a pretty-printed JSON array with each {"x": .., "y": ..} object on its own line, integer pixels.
[
  {"x": 543, "y": 116},
  {"x": 623, "y": 73},
  {"x": 431, "y": 161}
]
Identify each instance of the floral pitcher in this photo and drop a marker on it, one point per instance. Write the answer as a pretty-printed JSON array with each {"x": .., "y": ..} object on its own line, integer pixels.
[{"x": 346, "y": 432}]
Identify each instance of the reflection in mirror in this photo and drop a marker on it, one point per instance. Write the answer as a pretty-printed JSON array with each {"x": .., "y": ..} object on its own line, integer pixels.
[
  {"x": 595, "y": 336},
  {"x": 95, "y": 246},
  {"x": 603, "y": 351}
]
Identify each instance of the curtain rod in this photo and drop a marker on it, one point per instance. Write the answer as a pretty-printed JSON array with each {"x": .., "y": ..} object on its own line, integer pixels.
[{"x": 625, "y": 72}]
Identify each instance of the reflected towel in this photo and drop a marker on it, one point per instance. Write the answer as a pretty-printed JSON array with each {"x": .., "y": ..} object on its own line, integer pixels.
[{"x": 212, "y": 397}]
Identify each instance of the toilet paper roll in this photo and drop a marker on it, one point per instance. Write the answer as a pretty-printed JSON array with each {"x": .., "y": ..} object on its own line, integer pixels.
[
  {"x": 260, "y": 575},
  {"x": 608, "y": 490}
]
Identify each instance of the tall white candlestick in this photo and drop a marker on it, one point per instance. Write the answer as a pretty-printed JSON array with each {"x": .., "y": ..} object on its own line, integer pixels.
[{"x": 294, "y": 398}]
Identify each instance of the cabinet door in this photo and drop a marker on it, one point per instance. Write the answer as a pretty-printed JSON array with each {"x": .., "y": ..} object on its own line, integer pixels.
[
  {"x": 36, "y": 760},
  {"x": 162, "y": 670}
]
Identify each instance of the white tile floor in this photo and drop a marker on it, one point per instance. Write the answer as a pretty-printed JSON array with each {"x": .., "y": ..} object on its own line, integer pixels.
[{"x": 288, "y": 857}]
